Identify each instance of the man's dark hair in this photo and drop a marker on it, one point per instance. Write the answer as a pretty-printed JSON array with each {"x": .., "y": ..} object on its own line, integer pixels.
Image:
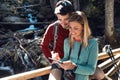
[{"x": 64, "y": 7}]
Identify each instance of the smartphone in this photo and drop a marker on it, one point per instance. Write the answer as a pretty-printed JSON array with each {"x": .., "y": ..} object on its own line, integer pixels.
[{"x": 56, "y": 60}]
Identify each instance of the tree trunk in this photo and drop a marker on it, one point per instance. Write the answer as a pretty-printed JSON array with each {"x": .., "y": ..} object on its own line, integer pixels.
[
  {"x": 53, "y": 3},
  {"x": 109, "y": 22},
  {"x": 76, "y": 4}
]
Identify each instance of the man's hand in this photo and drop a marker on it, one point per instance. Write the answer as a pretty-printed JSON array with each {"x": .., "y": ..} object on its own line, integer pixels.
[{"x": 55, "y": 56}]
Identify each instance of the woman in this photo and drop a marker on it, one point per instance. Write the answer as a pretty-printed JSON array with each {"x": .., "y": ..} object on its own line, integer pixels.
[{"x": 83, "y": 62}]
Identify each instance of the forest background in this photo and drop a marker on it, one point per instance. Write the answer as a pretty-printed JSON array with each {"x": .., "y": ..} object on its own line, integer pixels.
[
  {"x": 103, "y": 15},
  {"x": 21, "y": 15}
]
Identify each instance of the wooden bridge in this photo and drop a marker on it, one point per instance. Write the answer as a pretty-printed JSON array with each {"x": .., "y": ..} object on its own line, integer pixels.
[{"x": 44, "y": 71}]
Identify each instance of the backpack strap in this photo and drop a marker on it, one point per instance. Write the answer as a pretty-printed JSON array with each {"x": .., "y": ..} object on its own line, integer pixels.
[
  {"x": 78, "y": 52},
  {"x": 55, "y": 34}
]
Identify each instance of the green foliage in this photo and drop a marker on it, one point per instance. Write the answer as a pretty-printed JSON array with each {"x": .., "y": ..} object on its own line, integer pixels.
[
  {"x": 94, "y": 8},
  {"x": 117, "y": 7}
]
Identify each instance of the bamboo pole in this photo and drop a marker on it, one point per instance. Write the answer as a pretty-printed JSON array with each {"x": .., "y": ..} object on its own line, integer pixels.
[
  {"x": 46, "y": 70},
  {"x": 109, "y": 62},
  {"x": 107, "y": 77},
  {"x": 113, "y": 69},
  {"x": 29, "y": 74},
  {"x": 104, "y": 55}
]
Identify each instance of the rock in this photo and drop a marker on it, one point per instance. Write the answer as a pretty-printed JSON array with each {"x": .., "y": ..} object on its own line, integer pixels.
[{"x": 14, "y": 19}]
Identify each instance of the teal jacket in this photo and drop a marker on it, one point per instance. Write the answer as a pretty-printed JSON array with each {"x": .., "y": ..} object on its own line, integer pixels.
[{"x": 87, "y": 60}]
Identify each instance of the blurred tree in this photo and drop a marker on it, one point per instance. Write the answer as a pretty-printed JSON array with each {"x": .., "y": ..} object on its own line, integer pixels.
[
  {"x": 110, "y": 36},
  {"x": 76, "y": 4},
  {"x": 53, "y": 3}
]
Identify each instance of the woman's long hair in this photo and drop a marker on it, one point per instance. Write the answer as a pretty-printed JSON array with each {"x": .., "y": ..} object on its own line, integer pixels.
[{"x": 81, "y": 18}]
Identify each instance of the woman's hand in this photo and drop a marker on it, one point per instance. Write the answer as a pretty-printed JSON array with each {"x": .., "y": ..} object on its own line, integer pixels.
[{"x": 67, "y": 65}]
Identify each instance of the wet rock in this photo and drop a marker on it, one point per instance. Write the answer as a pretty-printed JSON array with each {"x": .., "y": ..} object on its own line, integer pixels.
[{"x": 14, "y": 19}]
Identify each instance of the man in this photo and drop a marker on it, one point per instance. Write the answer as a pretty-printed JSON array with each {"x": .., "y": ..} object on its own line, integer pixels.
[{"x": 63, "y": 10}]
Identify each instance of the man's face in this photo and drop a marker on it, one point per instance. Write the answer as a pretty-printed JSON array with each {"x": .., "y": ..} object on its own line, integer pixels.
[{"x": 63, "y": 19}]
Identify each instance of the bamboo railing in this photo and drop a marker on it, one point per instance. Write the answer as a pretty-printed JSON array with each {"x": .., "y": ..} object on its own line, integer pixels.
[{"x": 46, "y": 70}]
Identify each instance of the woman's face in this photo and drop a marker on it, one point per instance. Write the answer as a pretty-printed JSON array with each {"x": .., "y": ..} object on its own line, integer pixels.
[
  {"x": 63, "y": 19},
  {"x": 75, "y": 29}
]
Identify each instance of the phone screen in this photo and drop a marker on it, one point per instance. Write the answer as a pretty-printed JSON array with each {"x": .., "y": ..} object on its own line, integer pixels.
[{"x": 56, "y": 60}]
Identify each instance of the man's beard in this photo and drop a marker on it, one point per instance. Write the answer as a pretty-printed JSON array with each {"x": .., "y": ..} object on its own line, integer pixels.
[{"x": 66, "y": 27}]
